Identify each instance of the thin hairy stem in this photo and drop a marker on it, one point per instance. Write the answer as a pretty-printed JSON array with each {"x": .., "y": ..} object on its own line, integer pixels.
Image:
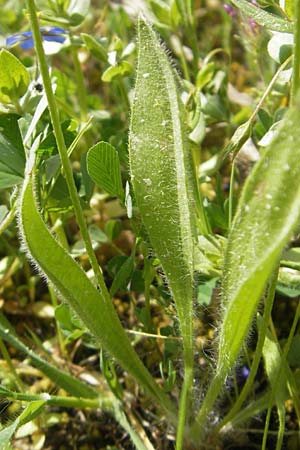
[{"x": 54, "y": 114}]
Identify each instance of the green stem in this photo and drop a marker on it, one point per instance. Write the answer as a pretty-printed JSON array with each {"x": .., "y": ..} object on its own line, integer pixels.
[
  {"x": 266, "y": 428},
  {"x": 60, "y": 337},
  {"x": 55, "y": 400},
  {"x": 108, "y": 404},
  {"x": 296, "y": 64},
  {"x": 70, "y": 150},
  {"x": 124, "y": 94},
  {"x": 231, "y": 192},
  {"x": 281, "y": 430},
  {"x": 194, "y": 46},
  {"x": 81, "y": 89},
  {"x": 198, "y": 428},
  {"x": 184, "y": 402},
  {"x": 148, "y": 279},
  {"x": 8, "y": 219},
  {"x": 62, "y": 146},
  {"x": 269, "y": 89},
  {"x": 136, "y": 438},
  {"x": 7, "y": 358},
  {"x": 183, "y": 62},
  {"x": 279, "y": 373}
]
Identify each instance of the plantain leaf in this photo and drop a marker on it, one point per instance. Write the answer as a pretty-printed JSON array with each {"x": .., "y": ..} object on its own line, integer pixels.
[
  {"x": 94, "y": 308},
  {"x": 103, "y": 166},
  {"x": 268, "y": 212},
  {"x": 264, "y": 18},
  {"x": 161, "y": 171}
]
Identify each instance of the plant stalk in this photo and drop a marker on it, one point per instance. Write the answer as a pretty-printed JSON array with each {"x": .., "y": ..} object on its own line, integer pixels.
[
  {"x": 279, "y": 373},
  {"x": 62, "y": 146},
  {"x": 79, "y": 82},
  {"x": 184, "y": 402},
  {"x": 296, "y": 63}
]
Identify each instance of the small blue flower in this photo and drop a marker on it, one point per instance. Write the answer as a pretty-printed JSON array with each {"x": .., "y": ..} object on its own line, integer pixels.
[
  {"x": 25, "y": 39},
  {"x": 243, "y": 373}
]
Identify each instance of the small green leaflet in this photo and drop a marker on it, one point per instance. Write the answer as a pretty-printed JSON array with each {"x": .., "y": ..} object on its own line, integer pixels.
[{"x": 103, "y": 166}]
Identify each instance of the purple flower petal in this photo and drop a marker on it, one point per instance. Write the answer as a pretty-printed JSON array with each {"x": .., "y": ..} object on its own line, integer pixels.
[
  {"x": 27, "y": 44},
  {"x": 27, "y": 33},
  {"x": 14, "y": 39},
  {"x": 60, "y": 39},
  {"x": 230, "y": 10},
  {"x": 50, "y": 34},
  {"x": 57, "y": 30}
]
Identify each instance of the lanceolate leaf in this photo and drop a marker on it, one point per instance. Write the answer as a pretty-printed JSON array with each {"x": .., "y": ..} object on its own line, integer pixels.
[
  {"x": 104, "y": 168},
  {"x": 267, "y": 214},
  {"x": 264, "y": 18},
  {"x": 94, "y": 308},
  {"x": 161, "y": 170}
]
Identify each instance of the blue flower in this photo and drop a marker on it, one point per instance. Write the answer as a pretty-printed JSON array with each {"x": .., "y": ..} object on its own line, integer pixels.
[{"x": 25, "y": 39}]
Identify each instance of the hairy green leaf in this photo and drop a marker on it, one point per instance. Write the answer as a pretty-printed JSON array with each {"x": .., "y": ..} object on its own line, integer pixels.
[
  {"x": 161, "y": 170},
  {"x": 268, "y": 211},
  {"x": 103, "y": 166},
  {"x": 94, "y": 308},
  {"x": 267, "y": 214},
  {"x": 264, "y": 18}
]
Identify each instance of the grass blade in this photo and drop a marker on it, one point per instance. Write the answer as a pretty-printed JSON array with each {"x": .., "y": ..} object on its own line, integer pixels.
[{"x": 60, "y": 378}]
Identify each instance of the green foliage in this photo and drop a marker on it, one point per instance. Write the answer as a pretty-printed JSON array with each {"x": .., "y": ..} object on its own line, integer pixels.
[
  {"x": 14, "y": 78},
  {"x": 104, "y": 168},
  {"x": 94, "y": 47},
  {"x": 267, "y": 214},
  {"x": 12, "y": 156},
  {"x": 62, "y": 379},
  {"x": 205, "y": 242},
  {"x": 161, "y": 171},
  {"x": 264, "y": 18},
  {"x": 32, "y": 410},
  {"x": 94, "y": 309}
]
